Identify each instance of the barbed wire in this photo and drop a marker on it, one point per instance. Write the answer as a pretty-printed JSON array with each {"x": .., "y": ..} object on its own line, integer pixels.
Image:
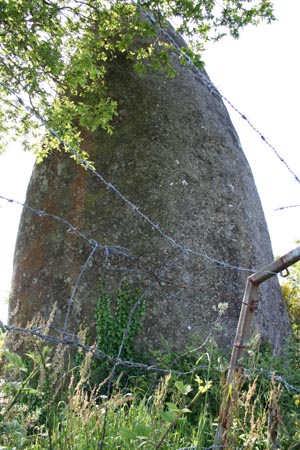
[
  {"x": 210, "y": 85},
  {"x": 121, "y": 346},
  {"x": 111, "y": 187},
  {"x": 207, "y": 448},
  {"x": 155, "y": 226},
  {"x": 286, "y": 207},
  {"x": 68, "y": 337},
  {"x": 74, "y": 341},
  {"x": 94, "y": 244},
  {"x": 108, "y": 249},
  {"x": 97, "y": 353},
  {"x": 71, "y": 300},
  {"x": 116, "y": 364}
]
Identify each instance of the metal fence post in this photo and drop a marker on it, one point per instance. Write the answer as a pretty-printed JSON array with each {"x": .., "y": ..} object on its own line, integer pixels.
[{"x": 243, "y": 332}]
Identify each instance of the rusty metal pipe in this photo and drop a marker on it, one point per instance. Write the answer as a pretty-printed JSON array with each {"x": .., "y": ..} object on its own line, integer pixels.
[
  {"x": 243, "y": 331},
  {"x": 276, "y": 267}
]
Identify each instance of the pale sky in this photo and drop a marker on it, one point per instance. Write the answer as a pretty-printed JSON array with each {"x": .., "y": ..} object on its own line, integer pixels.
[{"x": 259, "y": 74}]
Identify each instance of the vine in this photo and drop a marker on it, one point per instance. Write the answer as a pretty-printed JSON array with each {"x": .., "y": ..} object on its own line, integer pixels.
[{"x": 112, "y": 320}]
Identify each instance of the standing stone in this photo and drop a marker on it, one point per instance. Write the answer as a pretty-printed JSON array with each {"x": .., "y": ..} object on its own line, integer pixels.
[{"x": 176, "y": 156}]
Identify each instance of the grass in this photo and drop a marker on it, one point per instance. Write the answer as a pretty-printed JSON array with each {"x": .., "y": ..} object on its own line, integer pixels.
[{"x": 44, "y": 406}]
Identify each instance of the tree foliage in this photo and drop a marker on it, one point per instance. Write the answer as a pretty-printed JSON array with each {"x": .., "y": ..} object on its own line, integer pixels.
[
  {"x": 54, "y": 53},
  {"x": 291, "y": 295}
]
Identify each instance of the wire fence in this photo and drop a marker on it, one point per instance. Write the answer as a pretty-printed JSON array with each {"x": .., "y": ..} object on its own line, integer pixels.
[
  {"x": 49, "y": 334},
  {"x": 212, "y": 87},
  {"x": 74, "y": 341}
]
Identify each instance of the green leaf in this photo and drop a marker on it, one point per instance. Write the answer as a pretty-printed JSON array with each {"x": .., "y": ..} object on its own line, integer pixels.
[
  {"x": 15, "y": 361},
  {"x": 57, "y": 53},
  {"x": 142, "y": 430},
  {"x": 31, "y": 391},
  {"x": 168, "y": 416},
  {"x": 128, "y": 434},
  {"x": 185, "y": 410},
  {"x": 172, "y": 407},
  {"x": 183, "y": 388}
]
